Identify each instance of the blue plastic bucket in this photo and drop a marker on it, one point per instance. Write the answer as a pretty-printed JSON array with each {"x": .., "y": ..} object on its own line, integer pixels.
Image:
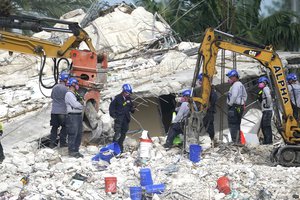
[
  {"x": 105, "y": 154},
  {"x": 115, "y": 147},
  {"x": 135, "y": 193},
  {"x": 155, "y": 189},
  {"x": 195, "y": 151},
  {"x": 146, "y": 178}
]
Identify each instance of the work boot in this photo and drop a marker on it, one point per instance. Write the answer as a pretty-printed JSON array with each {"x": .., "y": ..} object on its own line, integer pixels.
[
  {"x": 167, "y": 146},
  {"x": 1, "y": 159},
  {"x": 63, "y": 145},
  {"x": 76, "y": 155},
  {"x": 52, "y": 145}
]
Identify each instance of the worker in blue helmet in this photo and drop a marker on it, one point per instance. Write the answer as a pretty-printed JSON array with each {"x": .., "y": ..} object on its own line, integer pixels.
[
  {"x": 119, "y": 109},
  {"x": 208, "y": 120},
  {"x": 294, "y": 91},
  {"x": 183, "y": 111},
  {"x": 59, "y": 111},
  {"x": 74, "y": 118},
  {"x": 236, "y": 101},
  {"x": 267, "y": 109}
]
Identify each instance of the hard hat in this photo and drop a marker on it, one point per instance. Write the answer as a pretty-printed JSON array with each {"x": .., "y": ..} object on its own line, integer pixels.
[
  {"x": 263, "y": 79},
  {"x": 63, "y": 76},
  {"x": 127, "y": 88},
  {"x": 232, "y": 73},
  {"x": 72, "y": 81},
  {"x": 186, "y": 93},
  {"x": 291, "y": 77},
  {"x": 200, "y": 76}
]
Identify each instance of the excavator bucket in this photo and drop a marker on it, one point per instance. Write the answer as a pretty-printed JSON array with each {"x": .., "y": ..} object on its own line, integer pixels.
[{"x": 194, "y": 128}]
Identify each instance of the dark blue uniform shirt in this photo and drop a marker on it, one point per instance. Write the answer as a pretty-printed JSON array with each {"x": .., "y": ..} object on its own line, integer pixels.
[{"x": 121, "y": 107}]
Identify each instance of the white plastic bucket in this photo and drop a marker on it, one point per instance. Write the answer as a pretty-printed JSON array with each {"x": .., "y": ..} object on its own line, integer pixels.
[{"x": 145, "y": 147}]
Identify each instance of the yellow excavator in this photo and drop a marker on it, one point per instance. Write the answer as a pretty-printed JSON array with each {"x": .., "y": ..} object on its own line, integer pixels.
[
  {"x": 287, "y": 154},
  {"x": 86, "y": 65}
]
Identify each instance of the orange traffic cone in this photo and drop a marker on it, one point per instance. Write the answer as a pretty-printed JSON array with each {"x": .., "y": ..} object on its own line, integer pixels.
[{"x": 243, "y": 140}]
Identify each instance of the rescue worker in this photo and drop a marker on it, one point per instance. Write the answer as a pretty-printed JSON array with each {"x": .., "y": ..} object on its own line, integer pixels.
[
  {"x": 208, "y": 119},
  {"x": 59, "y": 111},
  {"x": 182, "y": 112},
  {"x": 73, "y": 119},
  {"x": 265, "y": 99},
  {"x": 236, "y": 100},
  {"x": 2, "y": 157},
  {"x": 294, "y": 91},
  {"x": 119, "y": 109}
]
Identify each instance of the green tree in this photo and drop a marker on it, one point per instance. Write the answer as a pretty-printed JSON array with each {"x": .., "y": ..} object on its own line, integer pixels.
[{"x": 189, "y": 18}]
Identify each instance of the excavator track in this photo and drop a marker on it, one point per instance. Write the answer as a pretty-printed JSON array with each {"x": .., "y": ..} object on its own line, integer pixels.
[{"x": 288, "y": 156}]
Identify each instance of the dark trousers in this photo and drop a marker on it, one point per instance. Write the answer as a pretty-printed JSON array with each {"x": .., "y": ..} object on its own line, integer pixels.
[
  {"x": 234, "y": 115},
  {"x": 58, "y": 120},
  {"x": 174, "y": 130},
  {"x": 74, "y": 130},
  {"x": 121, "y": 127},
  {"x": 266, "y": 126},
  {"x": 1, "y": 152},
  {"x": 295, "y": 112},
  {"x": 208, "y": 122}
]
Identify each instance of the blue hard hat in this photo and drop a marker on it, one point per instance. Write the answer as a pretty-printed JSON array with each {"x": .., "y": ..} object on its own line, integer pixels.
[
  {"x": 291, "y": 77},
  {"x": 63, "y": 76},
  {"x": 72, "y": 81},
  {"x": 127, "y": 88},
  {"x": 186, "y": 93},
  {"x": 232, "y": 73},
  {"x": 200, "y": 76},
  {"x": 263, "y": 79}
]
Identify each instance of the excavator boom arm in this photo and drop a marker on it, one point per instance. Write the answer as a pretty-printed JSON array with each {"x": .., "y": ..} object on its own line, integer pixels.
[
  {"x": 34, "y": 46},
  {"x": 266, "y": 56}
]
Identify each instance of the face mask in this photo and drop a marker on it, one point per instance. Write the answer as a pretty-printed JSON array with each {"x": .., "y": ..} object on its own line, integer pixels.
[
  {"x": 230, "y": 81},
  {"x": 126, "y": 94},
  {"x": 261, "y": 85},
  {"x": 180, "y": 99},
  {"x": 76, "y": 87}
]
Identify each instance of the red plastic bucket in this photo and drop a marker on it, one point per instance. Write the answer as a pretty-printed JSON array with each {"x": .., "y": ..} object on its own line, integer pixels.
[
  {"x": 110, "y": 184},
  {"x": 223, "y": 185}
]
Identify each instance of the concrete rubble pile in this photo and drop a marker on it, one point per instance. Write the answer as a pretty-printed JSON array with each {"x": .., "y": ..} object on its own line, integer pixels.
[
  {"x": 50, "y": 173},
  {"x": 127, "y": 36}
]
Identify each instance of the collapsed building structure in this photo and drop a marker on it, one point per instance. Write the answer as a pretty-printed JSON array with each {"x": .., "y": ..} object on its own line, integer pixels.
[{"x": 143, "y": 52}]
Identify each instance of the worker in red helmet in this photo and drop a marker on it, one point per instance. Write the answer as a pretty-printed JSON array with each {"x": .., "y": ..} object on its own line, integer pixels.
[{"x": 182, "y": 113}]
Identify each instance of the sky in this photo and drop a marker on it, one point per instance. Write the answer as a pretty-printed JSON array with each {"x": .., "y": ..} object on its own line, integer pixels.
[{"x": 264, "y": 5}]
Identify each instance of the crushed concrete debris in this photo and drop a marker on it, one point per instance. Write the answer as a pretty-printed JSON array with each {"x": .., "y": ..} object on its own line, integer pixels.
[{"x": 250, "y": 173}]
